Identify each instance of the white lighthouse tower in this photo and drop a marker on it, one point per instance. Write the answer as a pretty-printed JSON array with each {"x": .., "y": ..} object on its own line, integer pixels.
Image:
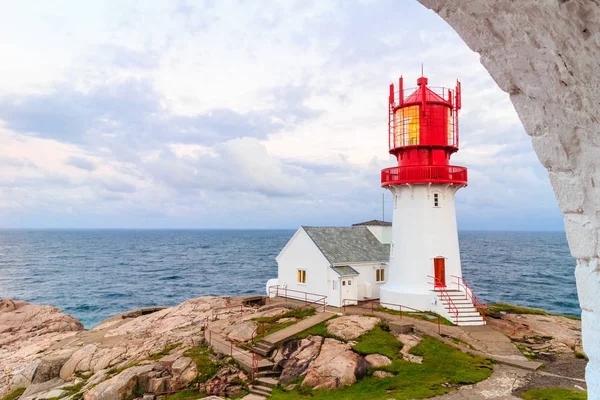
[{"x": 425, "y": 269}]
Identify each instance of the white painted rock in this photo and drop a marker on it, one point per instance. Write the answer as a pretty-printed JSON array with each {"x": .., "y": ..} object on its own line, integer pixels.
[
  {"x": 378, "y": 360},
  {"x": 351, "y": 326}
]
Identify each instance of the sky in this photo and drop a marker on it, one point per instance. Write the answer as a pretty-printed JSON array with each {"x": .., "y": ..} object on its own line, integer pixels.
[{"x": 238, "y": 114}]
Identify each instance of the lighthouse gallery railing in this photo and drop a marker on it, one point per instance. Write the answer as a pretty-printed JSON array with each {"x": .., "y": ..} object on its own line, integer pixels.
[{"x": 424, "y": 174}]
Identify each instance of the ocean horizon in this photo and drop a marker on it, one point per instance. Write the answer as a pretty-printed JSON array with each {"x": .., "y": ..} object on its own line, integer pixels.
[{"x": 95, "y": 273}]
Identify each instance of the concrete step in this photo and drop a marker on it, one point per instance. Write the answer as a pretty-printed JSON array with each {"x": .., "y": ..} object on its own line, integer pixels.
[
  {"x": 263, "y": 344},
  {"x": 269, "y": 373},
  {"x": 470, "y": 319},
  {"x": 260, "y": 390},
  {"x": 466, "y": 301},
  {"x": 471, "y": 323},
  {"x": 469, "y": 314},
  {"x": 262, "y": 352},
  {"x": 266, "y": 381}
]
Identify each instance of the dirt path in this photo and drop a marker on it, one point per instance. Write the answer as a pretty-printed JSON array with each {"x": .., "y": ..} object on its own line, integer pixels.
[{"x": 500, "y": 385}]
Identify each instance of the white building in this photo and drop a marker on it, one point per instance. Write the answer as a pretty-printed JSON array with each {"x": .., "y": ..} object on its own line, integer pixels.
[{"x": 342, "y": 263}]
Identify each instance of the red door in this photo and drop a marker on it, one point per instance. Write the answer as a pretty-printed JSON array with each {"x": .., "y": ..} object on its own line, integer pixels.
[{"x": 439, "y": 267}]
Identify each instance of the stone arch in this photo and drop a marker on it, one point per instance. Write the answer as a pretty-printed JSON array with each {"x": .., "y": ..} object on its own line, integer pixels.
[{"x": 546, "y": 55}]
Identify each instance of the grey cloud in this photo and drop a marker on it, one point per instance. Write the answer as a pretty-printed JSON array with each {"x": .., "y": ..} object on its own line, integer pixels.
[
  {"x": 81, "y": 163},
  {"x": 129, "y": 115},
  {"x": 118, "y": 186}
]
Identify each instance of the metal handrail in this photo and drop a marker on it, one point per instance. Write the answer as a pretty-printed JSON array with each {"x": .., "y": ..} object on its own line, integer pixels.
[
  {"x": 441, "y": 287},
  {"x": 253, "y": 357},
  {"x": 373, "y": 302},
  {"x": 481, "y": 308},
  {"x": 284, "y": 292}
]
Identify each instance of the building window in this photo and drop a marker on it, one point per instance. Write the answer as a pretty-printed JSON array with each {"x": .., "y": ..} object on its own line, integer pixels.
[
  {"x": 380, "y": 274},
  {"x": 349, "y": 282},
  {"x": 335, "y": 285},
  {"x": 301, "y": 276},
  {"x": 436, "y": 199}
]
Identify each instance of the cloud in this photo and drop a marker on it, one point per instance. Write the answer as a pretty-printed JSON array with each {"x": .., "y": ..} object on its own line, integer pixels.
[
  {"x": 81, "y": 163},
  {"x": 226, "y": 114}
]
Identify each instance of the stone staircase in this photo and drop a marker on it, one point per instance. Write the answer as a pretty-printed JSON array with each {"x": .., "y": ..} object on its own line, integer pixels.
[
  {"x": 263, "y": 347},
  {"x": 266, "y": 381},
  {"x": 268, "y": 375},
  {"x": 467, "y": 313}
]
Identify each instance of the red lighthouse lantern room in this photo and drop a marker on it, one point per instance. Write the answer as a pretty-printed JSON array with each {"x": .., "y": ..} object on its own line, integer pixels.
[{"x": 423, "y": 134}]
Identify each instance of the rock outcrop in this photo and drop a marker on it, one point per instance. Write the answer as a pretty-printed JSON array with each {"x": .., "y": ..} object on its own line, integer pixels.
[
  {"x": 297, "y": 356},
  {"x": 351, "y": 326},
  {"x": 336, "y": 366},
  {"x": 39, "y": 343},
  {"x": 26, "y": 331},
  {"x": 552, "y": 333},
  {"x": 544, "y": 54}
]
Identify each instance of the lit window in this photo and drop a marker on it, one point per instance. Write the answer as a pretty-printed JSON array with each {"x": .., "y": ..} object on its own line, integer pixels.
[
  {"x": 436, "y": 200},
  {"x": 301, "y": 276},
  {"x": 380, "y": 275}
]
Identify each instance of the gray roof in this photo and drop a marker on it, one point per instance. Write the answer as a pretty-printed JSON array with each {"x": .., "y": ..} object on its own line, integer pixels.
[
  {"x": 345, "y": 270},
  {"x": 355, "y": 244},
  {"x": 373, "y": 222}
]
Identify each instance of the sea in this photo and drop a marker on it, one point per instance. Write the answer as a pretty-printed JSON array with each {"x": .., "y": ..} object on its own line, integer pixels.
[{"x": 95, "y": 274}]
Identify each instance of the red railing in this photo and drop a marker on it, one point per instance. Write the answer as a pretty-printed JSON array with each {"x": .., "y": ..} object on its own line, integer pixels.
[
  {"x": 470, "y": 295},
  {"x": 307, "y": 298},
  {"x": 424, "y": 174},
  {"x": 440, "y": 287},
  {"x": 250, "y": 356},
  {"x": 371, "y": 306}
]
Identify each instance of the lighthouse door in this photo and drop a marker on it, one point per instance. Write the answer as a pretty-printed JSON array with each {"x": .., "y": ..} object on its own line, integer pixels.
[{"x": 439, "y": 266}]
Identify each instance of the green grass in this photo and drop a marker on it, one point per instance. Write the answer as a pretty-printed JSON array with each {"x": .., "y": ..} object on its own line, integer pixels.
[
  {"x": 201, "y": 356},
  {"x": 163, "y": 352},
  {"x": 14, "y": 394},
  {"x": 186, "y": 395},
  {"x": 317, "y": 330},
  {"x": 379, "y": 341},
  {"x": 494, "y": 311},
  {"x": 554, "y": 394},
  {"x": 462, "y": 343},
  {"x": 425, "y": 315},
  {"x": 441, "y": 363}
]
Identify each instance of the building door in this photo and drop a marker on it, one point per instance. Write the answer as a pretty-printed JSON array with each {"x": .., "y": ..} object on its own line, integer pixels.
[
  {"x": 439, "y": 267},
  {"x": 348, "y": 292}
]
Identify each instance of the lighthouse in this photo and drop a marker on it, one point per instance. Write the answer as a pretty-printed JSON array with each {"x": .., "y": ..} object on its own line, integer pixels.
[{"x": 424, "y": 267}]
